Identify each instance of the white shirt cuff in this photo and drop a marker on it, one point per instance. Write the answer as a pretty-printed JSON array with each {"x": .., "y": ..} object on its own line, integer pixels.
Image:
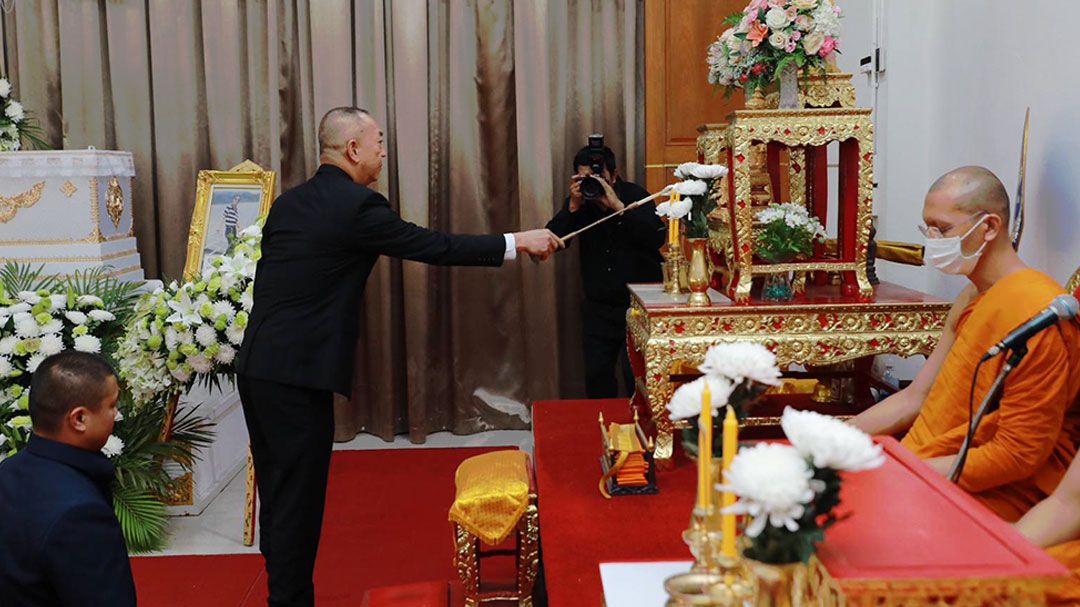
[{"x": 511, "y": 247}]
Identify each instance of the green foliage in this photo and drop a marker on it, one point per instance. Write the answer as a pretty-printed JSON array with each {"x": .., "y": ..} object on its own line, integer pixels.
[
  {"x": 786, "y": 231},
  {"x": 142, "y": 518},
  {"x": 141, "y": 476}
]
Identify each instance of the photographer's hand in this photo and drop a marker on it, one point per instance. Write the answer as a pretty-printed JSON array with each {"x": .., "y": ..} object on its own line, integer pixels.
[
  {"x": 610, "y": 199},
  {"x": 576, "y": 199}
]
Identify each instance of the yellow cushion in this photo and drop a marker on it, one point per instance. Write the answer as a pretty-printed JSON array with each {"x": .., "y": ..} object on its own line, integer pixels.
[{"x": 492, "y": 494}]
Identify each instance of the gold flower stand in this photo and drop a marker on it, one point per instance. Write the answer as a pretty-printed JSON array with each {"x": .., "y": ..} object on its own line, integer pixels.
[
  {"x": 495, "y": 505},
  {"x": 666, "y": 338}
]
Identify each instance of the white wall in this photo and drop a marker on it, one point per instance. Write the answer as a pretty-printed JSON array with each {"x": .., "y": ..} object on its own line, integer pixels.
[{"x": 958, "y": 77}]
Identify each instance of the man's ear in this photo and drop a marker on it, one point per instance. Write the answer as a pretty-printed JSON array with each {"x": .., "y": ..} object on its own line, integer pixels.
[
  {"x": 76, "y": 418},
  {"x": 994, "y": 226}
]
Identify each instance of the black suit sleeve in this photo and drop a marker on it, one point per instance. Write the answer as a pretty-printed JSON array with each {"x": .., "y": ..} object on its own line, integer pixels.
[
  {"x": 87, "y": 561},
  {"x": 565, "y": 222},
  {"x": 380, "y": 230}
]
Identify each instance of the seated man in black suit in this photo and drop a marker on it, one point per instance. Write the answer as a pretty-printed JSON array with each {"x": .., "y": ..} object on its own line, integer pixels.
[
  {"x": 320, "y": 243},
  {"x": 60, "y": 543}
]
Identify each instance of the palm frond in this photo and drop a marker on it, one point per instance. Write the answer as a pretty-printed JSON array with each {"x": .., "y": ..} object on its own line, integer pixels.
[
  {"x": 119, "y": 296},
  {"x": 142, "y": 518},
  {"x": 17, "y": 277}
]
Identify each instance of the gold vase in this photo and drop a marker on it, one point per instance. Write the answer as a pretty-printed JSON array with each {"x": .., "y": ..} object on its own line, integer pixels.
[
  {"x": 698, "y": 275},
  {"x": 779, "y": 585}
]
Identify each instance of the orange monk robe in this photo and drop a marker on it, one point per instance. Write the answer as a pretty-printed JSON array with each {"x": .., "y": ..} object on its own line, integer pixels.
[
  {"x": 1020, "y": 451},
  {"x": 1067, "y": 554}
]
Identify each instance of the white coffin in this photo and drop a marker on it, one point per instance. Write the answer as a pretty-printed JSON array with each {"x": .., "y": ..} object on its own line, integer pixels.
[
  {"x": 69, "y": 210},
  {"x": 222, "y": 460}
]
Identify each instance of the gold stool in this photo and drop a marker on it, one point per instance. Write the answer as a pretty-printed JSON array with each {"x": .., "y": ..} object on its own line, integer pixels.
[{"x": 496, "y": 500}]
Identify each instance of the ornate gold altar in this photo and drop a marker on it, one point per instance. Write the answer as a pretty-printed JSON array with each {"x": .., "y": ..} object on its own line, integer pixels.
[
  {"x": 752, "y": 143},
  {"x": 667, "y": 338}
]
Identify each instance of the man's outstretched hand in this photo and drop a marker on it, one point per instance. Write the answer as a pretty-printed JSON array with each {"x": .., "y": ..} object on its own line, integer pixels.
[{"x": 539, "y": 244}]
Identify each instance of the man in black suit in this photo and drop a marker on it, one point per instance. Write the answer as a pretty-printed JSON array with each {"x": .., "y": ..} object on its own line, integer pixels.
[
  {"x": 60, "y": 543},
  {"x": 320, "y": 242},
  {"x": 620, "y": 251}
]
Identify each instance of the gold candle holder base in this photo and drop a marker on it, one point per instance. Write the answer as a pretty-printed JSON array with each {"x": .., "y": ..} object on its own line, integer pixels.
[
  {"x": 699, "y": 298},
  {"x": 731, "y": 584},
  {"x": 674, "y": 269}
]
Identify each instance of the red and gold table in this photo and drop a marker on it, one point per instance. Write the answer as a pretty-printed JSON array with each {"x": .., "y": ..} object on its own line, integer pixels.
[
  {"x": 913, "y": 539},
  {"x": 665, "y": 336}
]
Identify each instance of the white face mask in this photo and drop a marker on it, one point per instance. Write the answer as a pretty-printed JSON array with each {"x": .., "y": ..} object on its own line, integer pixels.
[{"x": 947, "y": 254}]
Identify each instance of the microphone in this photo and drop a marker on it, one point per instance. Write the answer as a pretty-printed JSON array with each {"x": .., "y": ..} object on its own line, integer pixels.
[{"x": 1063, "y": 307}]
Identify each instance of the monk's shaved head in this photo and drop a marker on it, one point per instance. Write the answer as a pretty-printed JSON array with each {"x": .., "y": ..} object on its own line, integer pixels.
[
  {"x": 341, "y": 124},
  {"x": 974, "y": 188}
]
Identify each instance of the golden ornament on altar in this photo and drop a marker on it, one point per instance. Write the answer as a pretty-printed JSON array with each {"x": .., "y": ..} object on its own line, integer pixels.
[{"x": 114, "y": 202}]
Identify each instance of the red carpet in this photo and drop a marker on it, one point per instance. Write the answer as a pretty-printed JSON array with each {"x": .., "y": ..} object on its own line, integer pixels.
[{"x": 385, "y": 524}]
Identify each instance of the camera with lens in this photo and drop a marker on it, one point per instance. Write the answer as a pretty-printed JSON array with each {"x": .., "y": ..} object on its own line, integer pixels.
[{"x": 591, "y": 188}]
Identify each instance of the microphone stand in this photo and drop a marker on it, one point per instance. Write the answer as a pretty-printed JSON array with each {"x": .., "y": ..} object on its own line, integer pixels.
[{"x": 989, "y": 403}]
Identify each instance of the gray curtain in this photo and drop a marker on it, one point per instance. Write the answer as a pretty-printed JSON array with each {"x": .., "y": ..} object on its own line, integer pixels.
[{"x": 483, "y": 102}]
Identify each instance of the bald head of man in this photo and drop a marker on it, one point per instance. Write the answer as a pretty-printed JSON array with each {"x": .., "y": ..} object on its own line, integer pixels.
[
  {"x": 350, "y": 139},
  {"x": 969, "y": 203}
]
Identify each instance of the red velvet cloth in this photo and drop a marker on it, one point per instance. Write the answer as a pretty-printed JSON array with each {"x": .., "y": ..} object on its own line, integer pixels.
[
  {"x": 908, "y": 522},
  {"x": 385, "y": 525}
]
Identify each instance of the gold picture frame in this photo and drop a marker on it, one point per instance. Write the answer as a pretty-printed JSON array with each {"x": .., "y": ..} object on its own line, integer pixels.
[{"x": 252, "y": 192}]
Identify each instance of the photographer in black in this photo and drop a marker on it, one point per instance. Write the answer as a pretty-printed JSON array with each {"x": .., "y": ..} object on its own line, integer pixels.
[{"x": 617, "y": 252}]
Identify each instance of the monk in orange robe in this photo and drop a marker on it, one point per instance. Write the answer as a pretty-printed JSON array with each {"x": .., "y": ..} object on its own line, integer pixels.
[
  {"x": 1054, "y": 524},
  {"x": 1021, "y": 450}
]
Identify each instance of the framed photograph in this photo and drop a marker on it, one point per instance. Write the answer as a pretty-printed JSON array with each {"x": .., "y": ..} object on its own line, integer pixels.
[{"x": 226, "y": 202}]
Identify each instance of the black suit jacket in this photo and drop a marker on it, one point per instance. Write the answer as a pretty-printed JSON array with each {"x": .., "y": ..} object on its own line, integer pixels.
[
  {"x": 60, "y": 543},
  {"x": 320, "y": 242}
]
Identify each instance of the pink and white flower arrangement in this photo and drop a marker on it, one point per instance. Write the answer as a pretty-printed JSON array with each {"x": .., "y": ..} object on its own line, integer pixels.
[{"x": 770, "y": 35}]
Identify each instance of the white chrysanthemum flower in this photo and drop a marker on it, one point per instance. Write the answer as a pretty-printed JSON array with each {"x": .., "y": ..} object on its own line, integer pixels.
[
  {"x": 252, "y": 231},
  {"x": 694, "y": 170},
  {"x": 686, "y": 402},
  {"x": 7, "y": 344},
  {"x": 53, "y": 326},
  {"x": 33, "y": 362},
  {"x": 5, "y": 367},
  {"x": 740, "y": 361},
  {"x": 15, "y": 111},
  {"x": 663, "y": 208},
  {"x": 224, "y": 308},
  {"x": 26, "y": 327},
  {"x": 186, "y": 337},
  {"x": 678, "y": 209},
  {"x": 84, "y": 301},
  {"x": 226, "y": 355},
  {"x": 5, "y": 87},
  {"x": 119, "y": 417},
  {"x": 200, "y": 363},
  {"x": 76, "y": 317},
  {"x": 234, "y": 334},
  {"x": 691, "y": 187},
  {"x": 59, "y": 302},
  {"x": 172, "y": 338},
  {"x": 773, "y": 483},
  {"x": 88, "y": 343},
  {"x": 206, "y": 336},
  {"x": 113, "y": 447},
  {"x": 829, "y": 442},
  {"x": 19, "y": 308},
  {"x": 101, "y": 315},
  {"x": 51, "y": 344},
  {"x": 29, "y": 297}
]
